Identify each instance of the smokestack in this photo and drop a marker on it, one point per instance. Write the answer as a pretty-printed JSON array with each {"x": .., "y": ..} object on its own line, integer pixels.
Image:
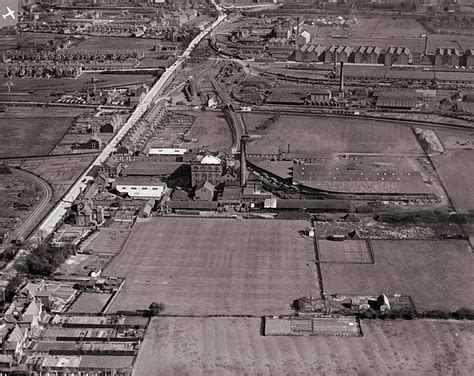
[
  {"x": 243, "y": 162},
  {"x": 297, "y": 38},
  {"x": 288, "y": 148},
  {"x": 341, "y": 81},
  {"x": 426, "y": 44}
]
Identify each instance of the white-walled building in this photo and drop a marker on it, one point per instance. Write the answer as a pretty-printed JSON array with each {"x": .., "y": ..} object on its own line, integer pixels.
[
  {"x": 141, "y": 187},
  {"x": 167, "y": 151}
]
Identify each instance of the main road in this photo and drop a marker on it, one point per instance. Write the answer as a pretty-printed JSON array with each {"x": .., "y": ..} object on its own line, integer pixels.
[{"x": 57, "y": 214}]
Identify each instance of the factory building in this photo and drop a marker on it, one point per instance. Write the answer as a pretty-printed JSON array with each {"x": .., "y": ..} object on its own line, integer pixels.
[
  {"x": 310, "y": 52},
  {"x": 141, "y": 187},
  {"x": 206, "y": 168},
  {"x": 367, "y": 55},
  {"x": 398, "y": 56},
  {"x": 447, "y": 56},
  {"x": 337, "y": 54}
]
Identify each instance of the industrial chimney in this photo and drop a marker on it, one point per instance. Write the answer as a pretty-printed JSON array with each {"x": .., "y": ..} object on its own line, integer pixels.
[
  {"x": 297, "y": 37},
  {"x": 341, "y": 81},
  {"x": 426, "y": 44},
  {"x": 243, "y": 162}
]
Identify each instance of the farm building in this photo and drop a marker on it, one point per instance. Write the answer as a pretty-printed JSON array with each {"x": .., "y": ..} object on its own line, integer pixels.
[{"x": 140, "y": 186}]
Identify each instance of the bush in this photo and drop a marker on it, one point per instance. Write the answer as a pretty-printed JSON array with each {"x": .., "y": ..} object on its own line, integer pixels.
[
  {"x": 464, "y": 314},
  {"x": 156, "y": 308}
]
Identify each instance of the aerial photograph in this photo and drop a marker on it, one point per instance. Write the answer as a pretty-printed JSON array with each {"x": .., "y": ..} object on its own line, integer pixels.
[{"x": 237, "y": 187}]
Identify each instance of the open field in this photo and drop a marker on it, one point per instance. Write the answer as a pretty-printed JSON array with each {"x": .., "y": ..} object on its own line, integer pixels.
[
  {"x": 234, "y": 346},
  {"x": 31, "y": 136},
  {"x": 212, "y": 130},
  {"x": 317, "y": 134},
  {"x": 114, "y": 43},
  {"x": 456, "y": 171},
  {"x": 438, "y": 275},
  {"x": 215, "y": 266}
]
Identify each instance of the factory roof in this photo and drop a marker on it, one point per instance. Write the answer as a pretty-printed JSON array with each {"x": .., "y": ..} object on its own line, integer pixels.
[
  {"x": 139, "y": 180},
  {"x": 448, "y": 51},
  {"x": 463, "y": 76},
  {"x": 410, "y": 74},
  {"x": 407, "y": 102},
  {"x": 192, "y": 205},
  {"x": 313, "y": 204},
  {"x": 398, "y": 50},
  {"x": 231, "y": 193},
  {"x": 151, "y": 168}
]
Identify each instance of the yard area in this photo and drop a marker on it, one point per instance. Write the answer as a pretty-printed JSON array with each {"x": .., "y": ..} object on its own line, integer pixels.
[
  {"x": 456, "y": 171},
  {"x": 437, "y": 274},
  {"x": 319, "y": 134},
  {"x": 212, "y": 131},
  {"x": 234, "y": 346},
  {"x": 215, "y": 266}
]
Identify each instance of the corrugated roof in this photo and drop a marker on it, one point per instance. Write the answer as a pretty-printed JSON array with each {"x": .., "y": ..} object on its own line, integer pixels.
[{"x": 313, "y": 204}]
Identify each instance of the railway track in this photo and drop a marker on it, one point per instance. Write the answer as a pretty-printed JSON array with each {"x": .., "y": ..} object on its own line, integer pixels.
[{"x": 28, "y": 225}]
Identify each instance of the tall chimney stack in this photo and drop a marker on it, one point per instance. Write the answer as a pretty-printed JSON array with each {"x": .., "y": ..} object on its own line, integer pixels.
[
  {"x": 426, "y": 44},
  {"x": 297, "y": 37},
  {"x": 341, "y": 81},
  {"x": 243, "y": 162}
]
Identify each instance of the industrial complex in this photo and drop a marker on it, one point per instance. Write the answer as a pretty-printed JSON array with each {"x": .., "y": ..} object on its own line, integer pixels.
[{"x": 236, "y": 187}]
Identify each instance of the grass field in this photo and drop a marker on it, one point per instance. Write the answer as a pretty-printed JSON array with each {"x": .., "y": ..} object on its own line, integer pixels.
[
  {"x": 456, "y": 171},
  {"x": 215, "y": 266},
  {"x": 234, "y": 346},
  {"x": 212, "y": 130},
  {"x": 438, "y": 275},
  {"x": 318, "y": 134},
  {"x": 31, "y": 136}
]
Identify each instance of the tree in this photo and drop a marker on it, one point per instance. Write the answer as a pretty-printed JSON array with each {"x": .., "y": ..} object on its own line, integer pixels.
[{"x": 156, "y": 308}]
